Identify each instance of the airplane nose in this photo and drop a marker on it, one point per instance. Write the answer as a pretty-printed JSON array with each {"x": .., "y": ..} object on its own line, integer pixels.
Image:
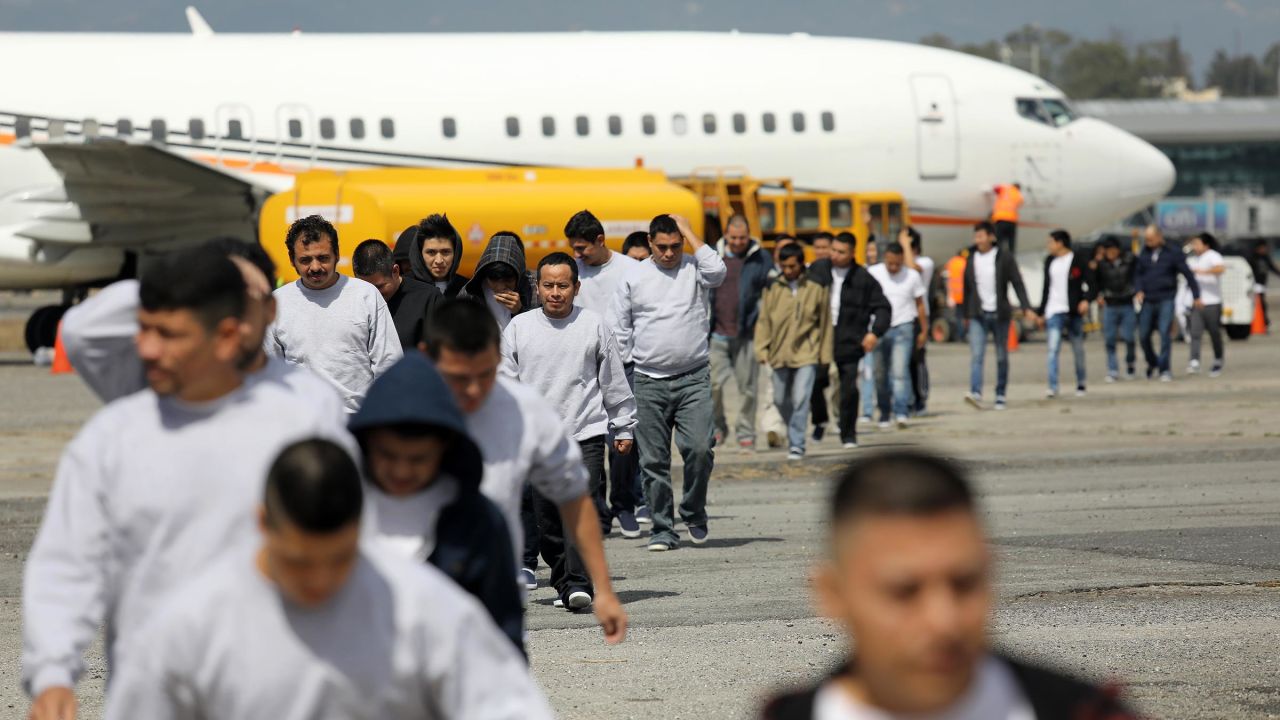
[{"x": 1148, "y": 173}]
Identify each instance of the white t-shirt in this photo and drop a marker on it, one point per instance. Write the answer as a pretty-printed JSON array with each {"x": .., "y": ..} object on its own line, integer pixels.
[
  {"x": 1059, "y": 276},
  {"x": 926, "y": 276},
  {"x": 984, "y": 274},
  {"x": 497, "y": 309},
  {"x": 1210, "y": 285},
  {"x": 901, "y": 289},
  {"x": 995, "y": 695},
  {"x": 406, "y": 526},
  {"x": 838, "y": 276}
]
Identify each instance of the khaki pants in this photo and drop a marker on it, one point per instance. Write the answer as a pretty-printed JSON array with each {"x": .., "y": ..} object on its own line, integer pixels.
[{"x": 734, "y": 358}]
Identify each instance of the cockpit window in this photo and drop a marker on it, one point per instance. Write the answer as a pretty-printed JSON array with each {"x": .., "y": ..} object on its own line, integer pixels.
[{"x": 1051, "y": 112}]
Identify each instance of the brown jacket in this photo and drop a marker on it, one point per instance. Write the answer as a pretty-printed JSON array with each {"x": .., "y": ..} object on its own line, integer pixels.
[{"x": 794, "y": 329}]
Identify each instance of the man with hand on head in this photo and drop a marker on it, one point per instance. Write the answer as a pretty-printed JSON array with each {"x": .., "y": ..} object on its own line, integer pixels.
[
  {"x": 523, "y": 441},
  {"x": 408, "y": 300},
  {"x": 308, "y": 622},
  {"x": 908, "y": 574},
  {"x": 118, "y": 534},
  {"x": 336, "y": 326},
  {"x": 659, "y": 315},
  {"x": 569, "y": 356}
]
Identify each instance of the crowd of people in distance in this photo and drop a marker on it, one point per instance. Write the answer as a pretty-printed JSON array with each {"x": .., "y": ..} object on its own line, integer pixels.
[{"x": 331, "y": 498}]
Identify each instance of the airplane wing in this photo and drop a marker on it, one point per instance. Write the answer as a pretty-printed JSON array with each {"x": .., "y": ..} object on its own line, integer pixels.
[{"x": 138, "y": 197}]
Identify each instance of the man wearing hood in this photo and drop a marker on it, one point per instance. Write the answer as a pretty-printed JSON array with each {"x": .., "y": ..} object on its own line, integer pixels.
[
  {"x": 735, "y": 306},
  {"x": 502, "y": 281},
  {"x": 423, "y": 493},
  {"x": 435, "y": 252}
]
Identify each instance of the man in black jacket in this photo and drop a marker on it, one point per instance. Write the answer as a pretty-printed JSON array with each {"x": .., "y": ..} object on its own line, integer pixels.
[
  {"x": 861, "y": 315},
  {"x": 424, "y": 498},
  {"x": 909, "y": 575},
  {"x": 435, "y": 252},
  {"x": 1115, "y": 295},
  {"x": 988, "y": 274},
  {"x": 409, "y": 301},
  {"x": 1069, "y": 287}
]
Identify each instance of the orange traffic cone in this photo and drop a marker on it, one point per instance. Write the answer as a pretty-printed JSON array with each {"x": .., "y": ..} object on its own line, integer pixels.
[
  {"x": 1013, "y": 336},
  {"x": 1259, "y": 326},
  {"x": 61, "y": 365}
]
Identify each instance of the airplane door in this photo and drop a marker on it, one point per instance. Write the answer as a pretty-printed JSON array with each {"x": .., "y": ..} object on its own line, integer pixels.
[
  {"x": 235, "y": 133},
  {"x": 937, "y": 134},
  {"x": 1038, "y": 168},
  {"x": 295, "y": 136}
]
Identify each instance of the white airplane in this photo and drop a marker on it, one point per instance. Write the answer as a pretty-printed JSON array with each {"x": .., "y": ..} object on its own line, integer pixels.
[{"x": 212, "y": 123}]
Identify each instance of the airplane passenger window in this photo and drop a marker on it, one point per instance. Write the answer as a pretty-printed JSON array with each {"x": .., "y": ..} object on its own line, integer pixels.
[
  {"x": 159, "y": 130},
  {"x": 513, "y": 126},
  {"x": 89, "y": 127},
  {"x": 357, "y": 129},
  {"x": 235, "y": 130},
  {"x": 679, "y": 124},
  {"x": 1059, "y": 111},
  {"x": 56, "y": 129},
  {"x": 739, "y": 123},
  {"x": 828, "y": 122},
  {"x": 548, "y": 126},
  {"x": 615, "y": 125},
  {"x": 1030, "y": 109},
  {"x": 388, "y": 128},
  {"x": 769, "y": 122},
  {"x": 449, "y": 127},
  {"x": 648, "y": 124},
  {"x": 327, "y": 131},
  {"x": 295, "y": 128},
  {"x": 583, "y": 125},
  {"x": 195, "y": 129},
  {"x": 709, "y": 124},
  {"x": 797, "y": 122},
  {"x": 22, "y": 127},
  {"x": 124, "y": 127}
]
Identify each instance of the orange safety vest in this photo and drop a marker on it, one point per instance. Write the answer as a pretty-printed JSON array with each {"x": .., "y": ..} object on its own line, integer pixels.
[
  {"x": 1008, "y": 200},
  {"x": 955, "y": 279}
]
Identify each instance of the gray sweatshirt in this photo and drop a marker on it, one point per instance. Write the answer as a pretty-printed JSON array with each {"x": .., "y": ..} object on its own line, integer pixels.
[
  {"x": 660, "y": 316},
  {"x": 600, "y": 282},
  {"x": 146, "y": 494},
  {"x": 574, "y": 362},
  {"x": 344, "y": 334},
  {"x": 399, "y": 641},
  {"x": 523, "y": 439}
]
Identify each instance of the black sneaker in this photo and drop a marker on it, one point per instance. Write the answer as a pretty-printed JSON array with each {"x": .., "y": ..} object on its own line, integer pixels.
[
  {"x": 697, "y": 534},
  {"x": 818, "y": 432},
  {"x": 628, "y": 524},
  {"x": 643, "y": 515}
]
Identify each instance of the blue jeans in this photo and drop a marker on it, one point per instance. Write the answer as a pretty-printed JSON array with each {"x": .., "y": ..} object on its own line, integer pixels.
[
  {"x": 681, "y": 404},
  {"x": 892, "y": 364},
  {"x": 792, "y": 388},
  {"x": 867, "y": 383},
  {"x": 1118, "y": 322},
  {"x": 979, "y": 329},
  {"x": 1156, "y": 315},
  {"x": 1073, "y": 327}
]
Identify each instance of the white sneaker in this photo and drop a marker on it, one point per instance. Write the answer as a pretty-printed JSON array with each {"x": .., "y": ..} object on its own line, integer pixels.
[
  {"x": 974, "y": 400},
  {"x": 1193, "y": 367},
  {"x": 864, "y": 420},
  {"x": 795, "y": 455},
  {"x": 1217, "y": 370},
  {"x": 579, "y": 600},
  {"x": 850, "y": 446},
  {"x": 1166, "y": 377},
  {"x": 884, "y": 425},
  {"x": 901, "y": 422},
  {"x": 1112, "y": 378},
  {"x": 1000, "y": 404},
  {"x": 1050, "y": 394},
  {"x": 1080, "y": 391}
]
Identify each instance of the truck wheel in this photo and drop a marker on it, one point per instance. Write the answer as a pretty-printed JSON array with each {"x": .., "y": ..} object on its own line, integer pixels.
[
  {"x": 1239, "y": 332},
  {"x": 42, "y": 327}
]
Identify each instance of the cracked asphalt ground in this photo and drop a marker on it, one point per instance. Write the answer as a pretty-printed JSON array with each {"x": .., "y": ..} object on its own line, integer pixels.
[{"x": 1136, "y": 530}]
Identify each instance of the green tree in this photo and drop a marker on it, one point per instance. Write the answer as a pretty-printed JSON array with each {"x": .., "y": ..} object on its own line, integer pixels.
[
  {"x": 1242, "y": 75},
  {"x": 1099, "y": 70}
]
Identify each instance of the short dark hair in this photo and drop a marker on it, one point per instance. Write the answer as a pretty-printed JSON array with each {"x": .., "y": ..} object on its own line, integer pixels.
[
  {"x": 1109, "y": 242},
  {"x": 900, "y": 482},
  {"x": 461, "y": 325},
  {"x": 1208, "y": 239},
  {"x": 985, "y": 226},
  {"x": 847, "y": 238},
  {"x": 499, "y": 271},
  {"x": 636, "y": 239},
  {"x": 254, "y": 253},
  {"x": 313, "y": 485},
  {"x": 437, "y": 226},
  {"x": 894, "y": 247},
  {"x": 663, "y": 224},
  {"x": 1062, "y": 237},
  {"x": 310, "y": 229},
  {"x": 372, "y": 257},
  {"x": 584, "y": 226},
  {"x": 915, "y": 237},
  {"x": 793, "y": 250},
  {"x": 559, "y": 258},
  {"x": 737, "y": 219},
  {"x": 200, "y": 279},
  {"x": 823, "y": 235}
]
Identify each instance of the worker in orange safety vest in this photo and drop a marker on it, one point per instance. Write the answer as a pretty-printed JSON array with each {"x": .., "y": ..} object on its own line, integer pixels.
[{"x": 1004, "y": 213}]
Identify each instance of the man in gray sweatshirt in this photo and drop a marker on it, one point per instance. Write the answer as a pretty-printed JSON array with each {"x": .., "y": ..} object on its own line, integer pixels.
[
  {"x": 160, "y": 482},
  {"x": 309, "y": 622},
  {"x": 659, "y": 314},
  {"x": 569, "y": 356},
  {"x": 338, "y": 327}
]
